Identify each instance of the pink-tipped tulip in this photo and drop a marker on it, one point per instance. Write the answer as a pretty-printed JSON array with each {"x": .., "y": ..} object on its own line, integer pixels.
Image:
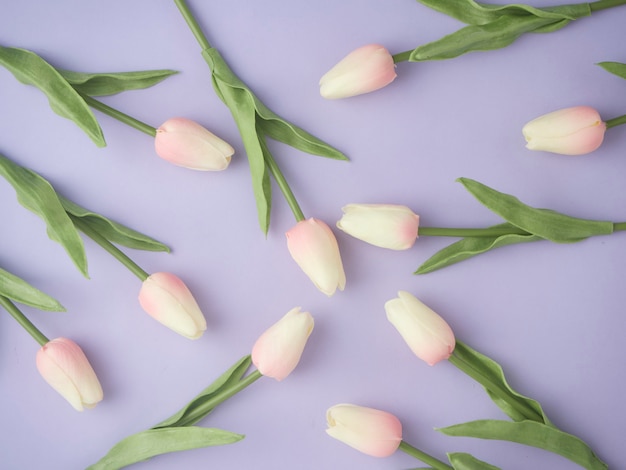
[
  {"x": 570, "y": 131},
  {"x": 168, "y": 300},
  {"x": 426, "y": 333},
  {"x": 186, "y": 143},
  {"x": 385, "y": 225},
  {"x": 65, "y": 367},
  {"x": 365, "y": 69},
  {"x": 278, "y": 350},
  {"x": 313, "y": 246},
  {"x": 373, "y": 432}
]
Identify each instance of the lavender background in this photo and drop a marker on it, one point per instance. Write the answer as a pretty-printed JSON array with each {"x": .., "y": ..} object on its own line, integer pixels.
[{"x": 552, "y": 315}]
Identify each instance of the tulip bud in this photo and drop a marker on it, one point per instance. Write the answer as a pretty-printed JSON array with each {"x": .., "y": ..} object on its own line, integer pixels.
[
  {"x": 65, "y": 367},
  {"x": 365, "y": 69},
  {"x": 166, "y": 298},
  {"x": 373, "y": 432},
  {"x": 570, "y": 131},
  {"x": 313, "y": 246},
  {"x": 384, "y": 225},
  {"x": 426, "y": 333},
  {"x": 186, "y": 143},
  {"x": 278, "y": 350}
]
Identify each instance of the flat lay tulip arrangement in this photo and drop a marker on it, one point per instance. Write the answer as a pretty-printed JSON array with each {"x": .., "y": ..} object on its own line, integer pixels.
[{"x": 311, "y": 242}]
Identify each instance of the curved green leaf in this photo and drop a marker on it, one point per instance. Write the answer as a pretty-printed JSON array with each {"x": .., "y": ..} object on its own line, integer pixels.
[
  {"x": 490, "y": 375},
  {"x": 472, "y": 246},
  {"x": 533, "y": 434},
  {"x": 544, "y": 223},
  {"x": 113, "y": 231},
  {"x": 148, "y": 444},
  {"x": 103, "y": 84},
  {"x": 38, "y": 196},
  {"x": 31, "y": 69},
  {"x": 616, "y": 68},
  {"x": 463, "y": 461},
  {"x": 21, "y": 291}
]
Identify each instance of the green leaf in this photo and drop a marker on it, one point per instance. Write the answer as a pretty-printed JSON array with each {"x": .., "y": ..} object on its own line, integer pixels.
[
  {"x": 533, "y": 434},
  {"x": 103, "y": 84},
  {"x": 38, "y": 196},
  {"x": 113, "y": 231},
  {"x": 20, "y": 291},
  {"x": 490, "y": 375},
  {"x": 544, "y": 223},
  {"x": 463, "y": 461},
  {"x": 31, "y": 69},
  {"x": 153, "y": 442},
  {"x": 472, "y": 246},
  {"x": 226, "y": 380},
  {"x": 471, "y": 12},
  {"x": 616, "y": 68}
]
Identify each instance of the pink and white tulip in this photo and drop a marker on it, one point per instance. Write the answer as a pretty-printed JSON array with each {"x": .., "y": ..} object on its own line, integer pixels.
[
  {"x": 167, "y": 299},
  {"x": 186, "y": 143},
  {"x": 368, "y": 430},
  {"x": 427, "y": 334},
  {"x": 570, "y": 131},
  {"x": 313, "y": 246},
  {"x": 65, "y": 367},
  {"x": 385, "y": 225},
  {"x": 278, "y": 350},
  {"x": 365, "y": 69}
]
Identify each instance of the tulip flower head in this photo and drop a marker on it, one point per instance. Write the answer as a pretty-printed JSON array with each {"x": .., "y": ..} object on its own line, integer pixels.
[
  {"x": 570, "y": 131},
  {"x": 278, "y": 350},
  {"x": 313, "y": 246},
  {"x": 168, "y": 300},
  {"x": 65, "y": 367},
  {"x": 426, "y": 333},
  {"x": 365, "y": 69},
  {"x": 186, "y": 143},
  {"x": 385, "y": 225},
  {"x": 373, "y": 432}
]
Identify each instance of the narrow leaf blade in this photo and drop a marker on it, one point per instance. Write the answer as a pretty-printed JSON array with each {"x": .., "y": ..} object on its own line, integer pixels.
[
  {"x": 103, "y": 84},
  {"x": 463, "y": 461},
  {"x": 21, "y": 291},
  {"x": 616, "y": 68}
]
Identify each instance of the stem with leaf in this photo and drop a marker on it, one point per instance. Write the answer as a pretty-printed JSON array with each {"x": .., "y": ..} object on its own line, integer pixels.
[
  {"x": 22, "y": 320},
  {"x": 120, "y": 116},
  {"x": 423, "y": 456}
]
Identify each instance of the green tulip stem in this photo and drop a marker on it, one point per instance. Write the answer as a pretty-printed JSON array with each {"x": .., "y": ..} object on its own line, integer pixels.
[
  {"x": 193, "y": 24},
  {"x": 282, "y": 182},
  {"x": 462, "y": 363},
  {"x": 22, "y": 320},
  {"x": 224, "y": 395},
  {"x": 604, "y": 4},
  {"x": 617, "y": 121},
  {"x": 112, "y": 249},
  {"x": 486, "y": 232},
  {"x": 120, "y": 116},
  {"x": 423, "y": 456}
]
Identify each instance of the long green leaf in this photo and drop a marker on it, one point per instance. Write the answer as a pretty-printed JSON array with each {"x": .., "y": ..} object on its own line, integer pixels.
[
  {"x": 616, "y": 68},
  {"x": 148, "y": 444},
  {"x": 544, "y": 223},
  {"x": 31, "y": 69},
  {"x": 490, "y": 375},
  {"x": 463, "y": 461},
  {"x": 37, "y": 195},
  {"x": 228, "y": 378},
  {"x": 113, "y": 231},
  {"x": 21, "y": 291},
  {"x": 533, "y": 434},
  {"x": 103, "y": 84},
  {"x": 472, "y": 246}
]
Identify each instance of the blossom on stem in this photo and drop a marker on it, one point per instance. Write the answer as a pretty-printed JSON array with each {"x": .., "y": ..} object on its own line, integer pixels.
[
  {"x": 365, "y": 69},
  {"x": 570, "y": 131},
  {"x": 186, "y": 143},
  {"x": 373, "y": 432},
  {"x": 65, "y": 367},
  {"x": 385, "y": 225},
  {"x": 313, "y": 246},
  {"x": 278, "y": 350},
  {"x": 167, "y": 299},
  {"x": 427, "y": 334}
]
